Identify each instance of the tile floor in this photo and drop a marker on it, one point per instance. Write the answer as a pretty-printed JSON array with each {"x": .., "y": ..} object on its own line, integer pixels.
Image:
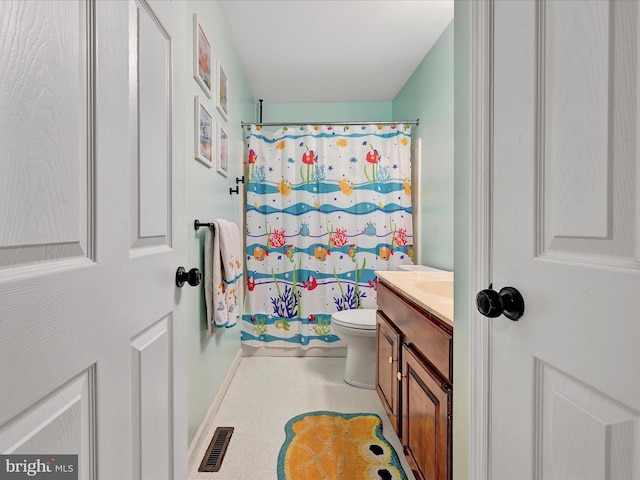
[{"x": 265, "y": 393}]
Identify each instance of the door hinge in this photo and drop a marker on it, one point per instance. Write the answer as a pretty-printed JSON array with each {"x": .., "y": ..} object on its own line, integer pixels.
[{"x": 446, "y": 388}]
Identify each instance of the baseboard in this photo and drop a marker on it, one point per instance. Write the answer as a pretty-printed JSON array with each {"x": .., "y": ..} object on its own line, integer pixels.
[{"x": 202, "y": 438}]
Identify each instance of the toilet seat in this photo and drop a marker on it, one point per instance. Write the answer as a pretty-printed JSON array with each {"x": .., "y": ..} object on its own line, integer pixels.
[{"x": 357, "y": 319}]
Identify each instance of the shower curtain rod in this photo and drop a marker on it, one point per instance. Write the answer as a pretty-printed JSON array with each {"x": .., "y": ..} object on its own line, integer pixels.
[{"x": 286, "y": 124}]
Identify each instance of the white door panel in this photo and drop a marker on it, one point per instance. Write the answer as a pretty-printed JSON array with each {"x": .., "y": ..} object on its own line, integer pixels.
[
  {"x": 152, "y": 110},
  {"x": 44, "y": 127},
  {"x": 565, "y": 378},
  {"x": 64, "y": 419},
  {"x": 92, "y": 212},
  {"x": 151, "y": 400}
]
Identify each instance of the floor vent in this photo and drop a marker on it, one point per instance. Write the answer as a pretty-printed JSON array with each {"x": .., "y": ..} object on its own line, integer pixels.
[{"x": 212, "y": 460}]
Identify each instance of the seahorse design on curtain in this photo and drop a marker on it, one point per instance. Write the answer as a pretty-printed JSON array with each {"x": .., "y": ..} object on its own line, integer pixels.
[{"x": 327, "y": 206}]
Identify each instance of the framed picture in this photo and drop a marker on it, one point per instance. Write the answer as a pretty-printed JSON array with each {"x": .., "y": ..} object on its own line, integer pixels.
[
  {"x": 202, "y": 58},
  {"x": 223, "y": 152},
  {"x": 203, "y": 133},
  {"x": 222, "y": 102}
]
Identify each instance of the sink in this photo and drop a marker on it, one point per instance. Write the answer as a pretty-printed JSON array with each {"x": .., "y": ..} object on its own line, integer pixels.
[
  {"x": 432, "y": 291},
  {"x": 441, "y": 288}
]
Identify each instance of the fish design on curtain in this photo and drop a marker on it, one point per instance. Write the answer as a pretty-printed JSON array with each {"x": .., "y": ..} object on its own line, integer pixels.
[{"x": 327, "y": 206}]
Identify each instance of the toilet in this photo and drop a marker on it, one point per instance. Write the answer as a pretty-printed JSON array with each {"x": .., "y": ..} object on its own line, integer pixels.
[{"x": 357, "y": 328}]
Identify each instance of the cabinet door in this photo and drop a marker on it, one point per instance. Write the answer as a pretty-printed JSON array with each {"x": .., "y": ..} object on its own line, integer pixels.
[
  {"x": 387, "y": 368},
  {"x": 426, "y": 429}
]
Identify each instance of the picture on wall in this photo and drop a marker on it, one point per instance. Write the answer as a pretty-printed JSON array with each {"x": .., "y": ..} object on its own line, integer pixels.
[
  {"x": 222, "y": 103},
  {"x": 203, "y": 58},
  {"x": 203, "y": 128},
  {"x": 223, "y": 152}
]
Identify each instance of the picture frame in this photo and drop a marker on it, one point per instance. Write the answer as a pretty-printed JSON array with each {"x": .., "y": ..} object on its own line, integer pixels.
[
  {"x": 203, "y": 127},
  {"x": 203, "y": 68},
  {"x": 222, "y": 98},
  {"x": 222, "y": 152}
]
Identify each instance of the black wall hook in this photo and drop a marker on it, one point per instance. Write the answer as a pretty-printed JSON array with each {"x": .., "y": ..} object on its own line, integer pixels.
[
  {"x": 240, "y": 180},
  {"x": 234, "y": 190}
]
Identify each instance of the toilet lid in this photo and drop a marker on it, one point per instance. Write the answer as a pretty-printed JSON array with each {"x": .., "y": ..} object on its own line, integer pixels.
[{"x": 361, "y": 319}]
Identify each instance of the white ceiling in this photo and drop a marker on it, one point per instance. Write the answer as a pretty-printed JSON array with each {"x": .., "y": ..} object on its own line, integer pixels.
[{"x": 333, "y": 50}]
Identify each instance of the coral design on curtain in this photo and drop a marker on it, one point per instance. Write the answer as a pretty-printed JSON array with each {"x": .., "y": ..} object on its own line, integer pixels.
[{"x": 327, "y": 206}]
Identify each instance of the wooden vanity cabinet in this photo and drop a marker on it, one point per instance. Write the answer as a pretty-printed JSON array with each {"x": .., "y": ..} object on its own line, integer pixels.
[{"x": 416, "y": 386}]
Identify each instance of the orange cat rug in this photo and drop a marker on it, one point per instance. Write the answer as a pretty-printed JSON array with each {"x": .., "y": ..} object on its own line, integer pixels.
[{"x": 337, "y": 446}]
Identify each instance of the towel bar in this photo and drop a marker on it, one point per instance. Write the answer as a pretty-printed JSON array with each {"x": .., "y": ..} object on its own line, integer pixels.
[{"x": 197, "y": 224}]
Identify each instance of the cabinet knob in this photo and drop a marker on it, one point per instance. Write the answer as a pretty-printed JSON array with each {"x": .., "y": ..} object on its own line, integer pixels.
[
  {"x": 400, "y": 375},
  {"x": 390, "y": 359}
]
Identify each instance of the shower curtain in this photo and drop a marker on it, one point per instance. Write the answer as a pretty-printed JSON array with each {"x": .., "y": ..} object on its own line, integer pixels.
[{"x": 327, "y": 206}]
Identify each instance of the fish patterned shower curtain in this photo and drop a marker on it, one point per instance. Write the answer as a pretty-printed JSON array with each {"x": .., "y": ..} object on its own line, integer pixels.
[{"x": 327, "y": 206}]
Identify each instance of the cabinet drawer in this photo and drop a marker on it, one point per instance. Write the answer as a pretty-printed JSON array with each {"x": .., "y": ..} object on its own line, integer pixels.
[{"x": 432, "y": 338}]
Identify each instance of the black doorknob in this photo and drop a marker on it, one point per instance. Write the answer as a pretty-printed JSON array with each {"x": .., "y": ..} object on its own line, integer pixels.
[
  {"x": 192, "y": 277},
  {"x": 508, "y": 301}
]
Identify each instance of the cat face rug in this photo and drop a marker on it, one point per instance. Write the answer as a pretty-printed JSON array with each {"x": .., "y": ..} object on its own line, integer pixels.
[{"x": 337, "y": 446}]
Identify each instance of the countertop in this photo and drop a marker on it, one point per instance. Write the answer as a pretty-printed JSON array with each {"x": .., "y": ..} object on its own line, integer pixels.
[{"x": 433, "y": 291}]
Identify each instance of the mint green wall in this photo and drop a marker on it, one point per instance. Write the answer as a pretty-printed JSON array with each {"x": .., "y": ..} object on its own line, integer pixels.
[
  {"x": 326, "y": 112},
  {"x": 428, "y": 95},
  {"x": 208, "y": 198},
  {"x": 462, "y": 172}
]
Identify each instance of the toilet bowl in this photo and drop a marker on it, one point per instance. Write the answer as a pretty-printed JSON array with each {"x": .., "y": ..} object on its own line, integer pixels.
[{"x": 357, "y": 328}]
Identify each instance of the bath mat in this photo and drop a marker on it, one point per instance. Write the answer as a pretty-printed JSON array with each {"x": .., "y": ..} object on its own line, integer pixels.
[{"x": 337, "y": 446}]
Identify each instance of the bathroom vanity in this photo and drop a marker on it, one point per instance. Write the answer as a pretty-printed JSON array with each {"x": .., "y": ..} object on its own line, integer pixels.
[{"x": 414, "y": 366}]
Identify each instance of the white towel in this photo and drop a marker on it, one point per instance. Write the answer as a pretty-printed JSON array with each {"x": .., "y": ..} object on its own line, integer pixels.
[
  {"x": 222, "y": 269},
  {"x": 231, "y": 250}
]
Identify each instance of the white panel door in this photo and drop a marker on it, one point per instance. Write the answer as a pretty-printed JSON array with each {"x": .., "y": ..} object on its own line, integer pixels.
[
  {"x": 565, "y": 378},
  {"x": 92, "y": 230}
]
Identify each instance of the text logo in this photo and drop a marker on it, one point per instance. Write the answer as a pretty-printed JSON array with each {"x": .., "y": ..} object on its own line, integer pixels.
[{"x": 47, "y": 467}]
